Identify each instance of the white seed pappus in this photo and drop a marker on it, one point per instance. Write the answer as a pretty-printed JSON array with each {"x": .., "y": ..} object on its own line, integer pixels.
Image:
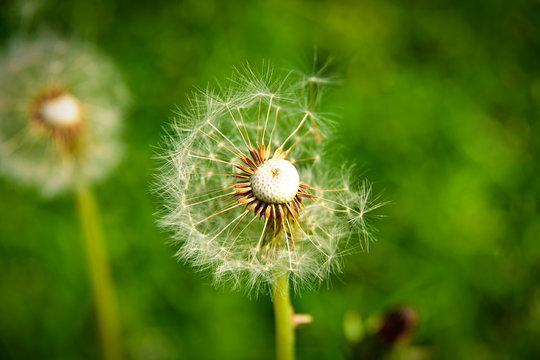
[{"x": 246, "y": 190}]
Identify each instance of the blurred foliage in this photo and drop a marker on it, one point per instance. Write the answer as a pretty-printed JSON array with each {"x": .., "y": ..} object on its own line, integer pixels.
[{"x": 438, "y": 103}]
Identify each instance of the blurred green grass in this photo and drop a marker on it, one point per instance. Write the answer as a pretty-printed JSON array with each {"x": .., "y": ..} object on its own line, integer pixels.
[{"x": 438, "y": 103}]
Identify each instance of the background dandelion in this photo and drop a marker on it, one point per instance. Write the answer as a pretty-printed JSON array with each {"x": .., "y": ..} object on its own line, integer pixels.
[{"x": 60, "y": 110}]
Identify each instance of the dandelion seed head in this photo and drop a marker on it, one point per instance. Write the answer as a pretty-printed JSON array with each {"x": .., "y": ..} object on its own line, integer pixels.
[
  {"x": 60, "y": 110},
  {"x": 246, "y": 190},
  {"x": 275, "y": 181}
]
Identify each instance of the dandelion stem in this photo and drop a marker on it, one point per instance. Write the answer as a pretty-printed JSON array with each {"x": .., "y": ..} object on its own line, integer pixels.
[
  {"x": 283, "y": 314},
  {"x": 99, "y": 274}
]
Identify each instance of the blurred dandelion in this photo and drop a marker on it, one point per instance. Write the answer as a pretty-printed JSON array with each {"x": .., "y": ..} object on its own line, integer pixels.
[
  {"x": 60, "y": 108},
  {"x": 249, "y": 196}
]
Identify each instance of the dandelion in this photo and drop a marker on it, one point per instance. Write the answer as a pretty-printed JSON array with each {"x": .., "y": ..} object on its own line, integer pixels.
[
  {"x": 249, "y": 196},
  {"x": 60, "y": 107}
]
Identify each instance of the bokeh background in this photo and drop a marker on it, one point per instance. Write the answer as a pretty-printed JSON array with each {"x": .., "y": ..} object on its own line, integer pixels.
[{"x": 438, "y": 103}]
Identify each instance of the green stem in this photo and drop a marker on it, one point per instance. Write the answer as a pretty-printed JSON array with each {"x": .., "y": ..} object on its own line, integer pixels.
[
  {"x": 283, "y": 313},
  {"x": 99, "y": 274}
]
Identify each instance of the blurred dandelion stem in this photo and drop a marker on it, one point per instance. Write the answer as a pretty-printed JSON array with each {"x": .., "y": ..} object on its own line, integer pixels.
[
  {"x": 99, "y": 274},
  {"x": 283, "y": 314}
]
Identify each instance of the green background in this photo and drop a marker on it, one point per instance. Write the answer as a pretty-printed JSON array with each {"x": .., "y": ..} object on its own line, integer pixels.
[{"x": 438, "y": 104}]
